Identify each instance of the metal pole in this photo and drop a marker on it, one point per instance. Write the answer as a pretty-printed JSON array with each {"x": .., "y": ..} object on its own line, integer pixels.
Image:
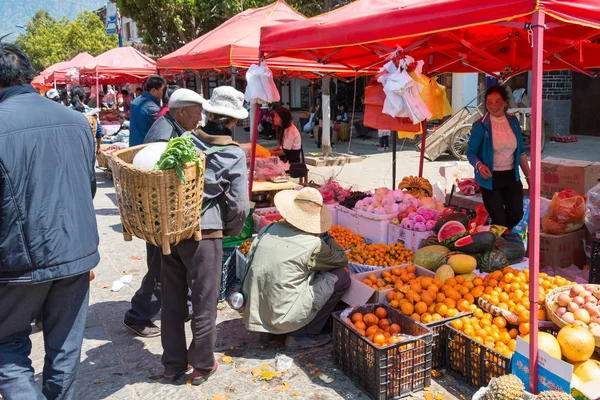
[
  {"x": 534, "y": 192},
  {"x": 423, "y": 138},
  {"x": 394, "y": 141}
]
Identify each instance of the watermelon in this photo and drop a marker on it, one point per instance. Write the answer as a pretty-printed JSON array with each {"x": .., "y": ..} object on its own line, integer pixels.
[
  {"x": 481, "y": 242},
  {"x": 449, "y": 229},
  {"x": 428, "y": 256},
  {"x": 430, "y": 241},
  {"x": 449, "y": 243},
  {"x": 514, "y": 252},
  {"x": 443, "y": 260},
  {"x": 492, "y": 261},
  {"x": 462, "y": 218}
]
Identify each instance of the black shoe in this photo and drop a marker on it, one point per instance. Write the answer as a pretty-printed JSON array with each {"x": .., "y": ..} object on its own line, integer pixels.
[
  {"x": 174, "y": 377},
  {"x": 143, "y": 329}
]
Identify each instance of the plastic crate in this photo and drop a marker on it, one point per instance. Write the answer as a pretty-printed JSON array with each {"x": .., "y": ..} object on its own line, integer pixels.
[
  {"x": 471, "y": 361},
  {"x": 440, "y": 340},
  {"x": 228, "y": 275},
  {"x": 389, "y": 372}
]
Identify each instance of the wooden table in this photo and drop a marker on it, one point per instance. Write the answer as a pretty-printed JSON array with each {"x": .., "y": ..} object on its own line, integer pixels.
[{"x": 272, "y": 188}]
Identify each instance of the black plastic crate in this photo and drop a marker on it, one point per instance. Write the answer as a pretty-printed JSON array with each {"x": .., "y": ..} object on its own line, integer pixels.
[
  {"x": 471, "y": 361},
  {"x": 390, "y": 372},
  {"x": 228, "y": 275},
  {"x": 440, "y": 343},
  {"x": 595, "y": 262}
]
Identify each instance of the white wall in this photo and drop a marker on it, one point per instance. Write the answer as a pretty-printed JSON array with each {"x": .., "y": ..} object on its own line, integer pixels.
[{"x": 464, "y": 89}]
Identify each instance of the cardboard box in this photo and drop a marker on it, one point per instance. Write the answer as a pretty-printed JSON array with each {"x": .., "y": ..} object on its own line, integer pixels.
[
  {"x": 560, "y": 251},
  {"x": 360, "y": 294},
  {"x": 560, "y": 173}
]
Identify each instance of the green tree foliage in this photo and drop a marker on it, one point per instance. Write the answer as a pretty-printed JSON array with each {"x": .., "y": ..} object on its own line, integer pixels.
[
  {"x": 47, "y": 41},
  {"x": 169, "y": 24}
]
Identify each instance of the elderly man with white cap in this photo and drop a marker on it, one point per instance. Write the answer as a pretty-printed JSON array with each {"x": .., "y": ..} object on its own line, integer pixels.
[
  {"x": 295, "y": 272},
  {"x": 198, "y": 265},
  {"x": 185, "y": 112}
]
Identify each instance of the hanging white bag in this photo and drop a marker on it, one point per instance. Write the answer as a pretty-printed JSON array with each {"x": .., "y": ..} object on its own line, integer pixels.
[
  {"x": 268, "y": 83},
  {"x": 255, "y": 91}
]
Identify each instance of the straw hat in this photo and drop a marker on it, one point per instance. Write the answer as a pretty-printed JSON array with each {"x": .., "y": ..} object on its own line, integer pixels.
[
  {"x": 227, "y": 101},
  {"x": 304, "y": 209}
]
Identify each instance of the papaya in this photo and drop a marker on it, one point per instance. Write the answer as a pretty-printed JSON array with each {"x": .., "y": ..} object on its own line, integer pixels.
[{"x": 462, "y": 263}]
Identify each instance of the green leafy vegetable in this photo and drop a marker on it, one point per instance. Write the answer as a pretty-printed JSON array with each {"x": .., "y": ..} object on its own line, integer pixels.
[{"x": 179, "y": 151}]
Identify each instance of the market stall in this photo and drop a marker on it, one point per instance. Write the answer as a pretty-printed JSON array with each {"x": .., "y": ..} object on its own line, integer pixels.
[
  {"x": 459, "y": 36},
  {"x": 68, "y": 71}
]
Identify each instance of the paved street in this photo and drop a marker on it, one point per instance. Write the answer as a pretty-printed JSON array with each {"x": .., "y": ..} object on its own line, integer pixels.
[{"x": 116, "y": 365}]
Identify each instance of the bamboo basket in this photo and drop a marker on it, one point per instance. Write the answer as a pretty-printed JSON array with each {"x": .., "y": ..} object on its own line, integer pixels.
[
  {"x": 156, "y": 206},
  {"x": 552, "y": 306},
  {"x": 102, "y": 160}
]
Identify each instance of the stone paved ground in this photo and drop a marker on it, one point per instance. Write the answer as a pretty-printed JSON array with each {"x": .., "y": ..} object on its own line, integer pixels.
[{"x": 116, "y": 365}]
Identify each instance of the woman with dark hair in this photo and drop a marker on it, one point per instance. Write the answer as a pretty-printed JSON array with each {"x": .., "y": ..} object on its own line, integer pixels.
[
  {"x": 165, "y": 100},
  {"x": 77, "y": 104},
  {"x": 496, "y": 151},
  {"x": 288, "y": 137}
]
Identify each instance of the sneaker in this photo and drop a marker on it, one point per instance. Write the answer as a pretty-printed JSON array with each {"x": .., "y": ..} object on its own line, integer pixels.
[
  {"x": 142, "y": 329},
  {"x": 199, "y": 378},
  {"x": 379, "y": 148},
  {"x": 174, "y": 377},
  {"x": 303, "y": 342}
]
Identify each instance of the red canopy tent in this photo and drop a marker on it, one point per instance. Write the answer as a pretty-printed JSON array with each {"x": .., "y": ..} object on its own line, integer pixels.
[
  {"x": 501, "y": 38},
  {"x": 118, "y": 65},
  {"x": 60, "y": 70},
  {"x": 234, "y": 44}
]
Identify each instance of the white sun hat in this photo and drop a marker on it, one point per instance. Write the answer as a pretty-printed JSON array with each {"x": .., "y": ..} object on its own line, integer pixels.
[
  {"x": 304, "y": 209},
  {"x": 185, "y": 98},
  {"x": 227, "y": 101}
]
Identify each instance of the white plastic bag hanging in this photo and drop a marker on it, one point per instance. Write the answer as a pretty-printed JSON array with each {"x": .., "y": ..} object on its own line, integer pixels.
[{"x": 260, "y": 88}]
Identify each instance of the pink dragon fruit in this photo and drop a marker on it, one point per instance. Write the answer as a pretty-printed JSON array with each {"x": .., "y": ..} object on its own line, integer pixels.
[
  {"x": 421, "y": 210},
  {"x": 413, "y": 202},
  {"x": 398, "y": 196},
  {"x": 328, "y": 196},
  {"x": 407, "y": 198},
  {"x": 429, "y": 225},
  {"x": 404, "y": 222},
  {"x": 379, "y": 211},
  {"x": 396, "y": 208},
  {"x": 402, "y": 207},
  {"x": 419, "y": 219},
  {"x": 420, "y": 227},
  {"x": 427, "y": 215},
  {"x": 359, "y": 204},
  {"x": 368, "y": 200},
  {"x": 412, "y": 215},
  {"x": 410, "y": 225},
  {"x": 370, "y": 209}
]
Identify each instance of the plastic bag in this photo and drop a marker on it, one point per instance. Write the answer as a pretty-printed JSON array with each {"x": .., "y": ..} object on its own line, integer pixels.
[
  {"x": 374, "y": 116},
  {"x": 566, "y": 213},
  {"x": 481, "y": 218},
  {"x": 592, "y": 209},
  {"x": 434, "y": 96},
  {"x": 260, "y": 88}
]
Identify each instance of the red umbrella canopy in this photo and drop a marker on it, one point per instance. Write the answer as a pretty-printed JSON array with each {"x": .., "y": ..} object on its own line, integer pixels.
[
  {"x": 449, "y": 35},
  {"x": 236, "y": 41},
  {"x": 121, "y": 61},
  {"x": 59, "y": 71}
]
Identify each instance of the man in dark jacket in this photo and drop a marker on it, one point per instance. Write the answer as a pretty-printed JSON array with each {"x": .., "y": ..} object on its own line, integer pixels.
[
  {"x": 48, "y": 232},
  {"x": 185, "y": 111},
  {"x": 144, "y": 109}
]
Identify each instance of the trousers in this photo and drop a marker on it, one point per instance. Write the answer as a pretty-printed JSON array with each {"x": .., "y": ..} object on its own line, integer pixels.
[
  {"x": 63, "y": 305},
  {"x": 504, "y": 203},
  {"x": 196, "y": 266},
  {"x": 315, "y": 326}
]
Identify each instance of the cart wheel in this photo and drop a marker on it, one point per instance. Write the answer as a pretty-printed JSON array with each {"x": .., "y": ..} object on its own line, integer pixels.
[{"x": 460, "y": 142}]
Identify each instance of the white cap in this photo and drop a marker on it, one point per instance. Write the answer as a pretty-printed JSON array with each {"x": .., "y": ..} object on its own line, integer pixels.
[
  {"x": 52, "y": 94},
  {"x": 185, "y": 98}
]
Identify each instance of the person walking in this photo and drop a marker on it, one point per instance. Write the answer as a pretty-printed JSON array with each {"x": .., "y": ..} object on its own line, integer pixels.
[
  {"x": 77, "y": 104},
  {"x": 144, "y": 109},
  {"x": 185, "y": 112},
  {"x": 295, "y": 272},
  {"x": 197, "y": 265},
  {"x": 496, "y": 151},
  {"x": 48, "y": 232}
]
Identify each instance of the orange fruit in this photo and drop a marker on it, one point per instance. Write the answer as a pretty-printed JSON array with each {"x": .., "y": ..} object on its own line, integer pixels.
[
  {"x": 438, "y": 283},
  {"x": 450, "y": 303},
  {"x": 416, "y": 317},
  {"x": 440, "y": 297},
  {"x": 381, "y": 312},
  {"x": 394, "y": 329},
  {"x": 372, "y": 330},
  {"x": 436, "y": 317},
  {"x": 462, "y": 305},
  {"x": 367, "y": 282},
  {"x": 407, "y": 308},
  {"x": 524, "y": 328},
  {"x": 457, "y": 324},
  {"x": 426, "y": 318},
  {"x": 384, "y": 323},
  {"x": 370, "y": 319},
  {"x": 379, "y": 339},
  {"x": 441, "y": 309},
  {"x": 394, "y": 304},
  {"x": 372, "y": 278},
  {"x": 459, "y": 279},
  {"x": 390, "y": 295},
  {"x": 357, "y": 317},
  {"x": 411, "y": 269},
  {"x": 500, "y": 322},
  {"x": 421, "y": 307}
]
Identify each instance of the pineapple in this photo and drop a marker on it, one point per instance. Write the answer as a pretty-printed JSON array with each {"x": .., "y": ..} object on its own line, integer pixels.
[
  {"x": 553, "y": 395},
  {"x": 507, "y": 387}
]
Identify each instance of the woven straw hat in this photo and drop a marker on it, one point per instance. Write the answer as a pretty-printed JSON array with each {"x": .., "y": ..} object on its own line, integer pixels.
[
  {"x": 227, "y": 101},
  {"x": 304, "y": 209}
]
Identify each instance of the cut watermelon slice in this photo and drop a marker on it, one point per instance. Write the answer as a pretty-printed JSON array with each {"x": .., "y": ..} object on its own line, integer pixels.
[{"x": 450, "y": 229}]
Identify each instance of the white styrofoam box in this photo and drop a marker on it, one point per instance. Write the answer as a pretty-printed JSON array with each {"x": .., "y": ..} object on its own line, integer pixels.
[
  {"x": 360, "y": 294},
  {"x": 240, "y": 265},
  {"x": 521, "y": 266},
  {"x": 334, "y": 213},
  {"x": 347, "y": 218},
  {"x": 375, "y": 231},
  {"x": 456, "y": 170},
  {"x": 411, "y": 239},
  {"x": 376, "y": 217}
]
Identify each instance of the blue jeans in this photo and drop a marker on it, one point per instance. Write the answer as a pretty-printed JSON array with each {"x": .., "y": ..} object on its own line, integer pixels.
[{"x": 63, "y": 306}]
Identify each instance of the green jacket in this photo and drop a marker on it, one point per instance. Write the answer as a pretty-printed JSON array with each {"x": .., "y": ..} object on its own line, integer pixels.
[{"x": 287, "y": 283}]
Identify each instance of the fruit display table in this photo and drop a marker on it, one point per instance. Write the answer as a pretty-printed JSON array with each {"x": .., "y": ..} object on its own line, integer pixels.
[{"x": 272, "y": 188}]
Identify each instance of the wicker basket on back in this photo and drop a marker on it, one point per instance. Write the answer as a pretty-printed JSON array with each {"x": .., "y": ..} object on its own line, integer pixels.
[{"x": 156, "y": 206}]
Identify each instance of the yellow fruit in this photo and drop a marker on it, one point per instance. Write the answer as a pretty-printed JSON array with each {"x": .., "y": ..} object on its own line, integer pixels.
[
  {"x": 588, "y": 370},
  {"x": 444, "y": 273},
  {"x": 577, "y": 344},
  {"x": 462, "y": 263},
  {"x": 469, "y": 277},
  {"x": 548, "y": 343}
]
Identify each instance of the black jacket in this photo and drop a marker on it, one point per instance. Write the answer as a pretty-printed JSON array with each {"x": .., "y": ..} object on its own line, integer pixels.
[{"x": 48, "y": 225}]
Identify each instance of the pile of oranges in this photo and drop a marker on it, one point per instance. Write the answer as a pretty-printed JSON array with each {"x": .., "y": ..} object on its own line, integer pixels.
[
  {"x": 245, "y": 247},
  {"x": 488, "y": 330},
  {"x": 380, "y": 255},
  {"x": 428, "y": 300},
  {"x": 376, "y": 327},
  {"x": 345, "y": 237},
  {"x": 388, "y": 279}
]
